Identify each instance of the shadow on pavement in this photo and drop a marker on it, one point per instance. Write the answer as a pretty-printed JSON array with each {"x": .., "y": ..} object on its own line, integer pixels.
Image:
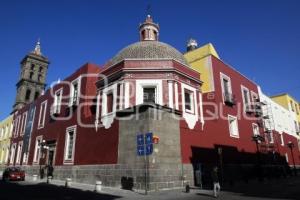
[
  {"x": 287, "y": 188},
  {"x": 205, "y": 195},
  {"x": 12, "y": 190}
]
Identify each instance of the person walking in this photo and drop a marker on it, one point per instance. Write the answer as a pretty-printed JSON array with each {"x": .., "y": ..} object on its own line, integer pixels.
[
  {"x": 216, "y": 183},
  {"x": 50, "y": 170}
]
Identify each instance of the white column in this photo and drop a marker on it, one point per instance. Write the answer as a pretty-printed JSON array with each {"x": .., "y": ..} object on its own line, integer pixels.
[
  {"x": 121, "y": 97},
  {"x": 97, "y": 111},
  {"x": 126, "y": 95},
  {"x": 201, "y": 109},
  {"x": 176, "y": 96},
  {"x": 170, "y": 87}
]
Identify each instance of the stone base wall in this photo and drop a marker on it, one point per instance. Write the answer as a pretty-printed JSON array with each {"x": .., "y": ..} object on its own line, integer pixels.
[{"x": 159, "y": 177}]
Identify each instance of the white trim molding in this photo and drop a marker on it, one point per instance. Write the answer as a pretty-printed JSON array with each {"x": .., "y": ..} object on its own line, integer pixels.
[
  {"x": 71, "y": 99},
  {"x": 37, "y": 150},
  {"x": 141, "y": 84},
  {"x": 126, "y": 95},
  {"x": 108, "y": 118},
  {"x": 176, "y": 96},
  {"x": 19, "y": 153},
  {"x": 171, "y": 93},
  {"x": 12, "y": 153},
  {"x": 121, "y": 97},
  {"x": 201, "y": 110},
  {"x": 42, "y": 115},
  {"x": 224, "y": 76},
  {"x": 97, "y": 119},
  {"x": 24, "y": 120},
  {"x": 231, "y": 131},
  {"x": 255, "y": 129},
  {"x": 56, "y": 106},
  {"x": 190, "y": 117},
  {"x": 245, "y": 104},
  {"x": 67, "y": 143}
]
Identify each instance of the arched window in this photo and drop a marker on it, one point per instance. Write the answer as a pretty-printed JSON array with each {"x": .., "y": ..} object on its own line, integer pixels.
[
  {"x": 155, "y": 35},
  {"x": 40, "y": 69},
  {"x": 31, "y": 75},
  {"x": 36, "y": 95},
  {"x": 39, "y": 77},
  {"x": 32, "y": 67},
  {"x": 27, "y": 96},
  {"x": 143, "y": 34}
]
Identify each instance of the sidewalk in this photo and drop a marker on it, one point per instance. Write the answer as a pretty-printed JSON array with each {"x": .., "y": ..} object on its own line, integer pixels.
[
  {"x": 126, "y": 194},
  {"x": 80, "y": 186}
]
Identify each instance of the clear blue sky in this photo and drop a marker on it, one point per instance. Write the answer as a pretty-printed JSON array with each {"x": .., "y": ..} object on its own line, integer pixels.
[{"x": 260, "y": 38}]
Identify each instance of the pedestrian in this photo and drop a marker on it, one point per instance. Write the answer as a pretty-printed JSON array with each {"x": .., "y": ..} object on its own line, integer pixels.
[
  {"x": 216, "y": 183},
  {"x": 50, "y": 170},
  {"x": 42, "y": 172}
]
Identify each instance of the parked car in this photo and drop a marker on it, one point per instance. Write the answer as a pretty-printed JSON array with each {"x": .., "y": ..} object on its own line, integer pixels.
[{"x": 13, "y": 174}]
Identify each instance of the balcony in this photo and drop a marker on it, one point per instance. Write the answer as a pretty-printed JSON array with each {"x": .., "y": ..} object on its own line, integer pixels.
[
  {"x": 268, "y": 130},
  {"x": 258, "y": 113},
  {"x": 249, "y": 109},
  {"x": 229, "y": 99}
]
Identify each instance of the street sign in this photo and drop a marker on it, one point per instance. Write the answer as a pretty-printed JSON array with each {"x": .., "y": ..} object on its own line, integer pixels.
[
  {"x": 149, "y": 138},
  {"x": 140, "y": 140},
  {"x": 141, "y": 150},
  {"x": 144, "y": 144},
  {"x": 149, "y": 149}
]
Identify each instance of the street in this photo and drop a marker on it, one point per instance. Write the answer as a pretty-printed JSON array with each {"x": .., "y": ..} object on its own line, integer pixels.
[{"x": 275, "y": 189}]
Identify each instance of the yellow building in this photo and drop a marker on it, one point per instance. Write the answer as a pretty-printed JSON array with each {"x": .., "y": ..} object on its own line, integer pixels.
[
  {"x": 289, "y": 103},
  {"x": 199, "y": 60},
  {"x": 6, "y": 127}
]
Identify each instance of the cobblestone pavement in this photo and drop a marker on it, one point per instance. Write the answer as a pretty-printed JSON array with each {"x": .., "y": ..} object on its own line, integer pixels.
[{"x": 29, "y": 189}]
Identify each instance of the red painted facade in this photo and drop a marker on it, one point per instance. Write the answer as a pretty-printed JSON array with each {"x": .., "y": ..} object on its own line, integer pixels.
[
  {"x": 90, "y": 146},
  {"x": 101, "y": 146},
  {"x": 216, "y": 128}
]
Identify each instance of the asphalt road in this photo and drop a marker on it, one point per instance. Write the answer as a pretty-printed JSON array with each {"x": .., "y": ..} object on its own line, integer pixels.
[{"x": 276, "y": 189}]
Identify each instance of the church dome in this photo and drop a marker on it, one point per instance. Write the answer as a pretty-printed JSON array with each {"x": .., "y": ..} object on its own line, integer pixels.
[{"x": 149, "y": 50}]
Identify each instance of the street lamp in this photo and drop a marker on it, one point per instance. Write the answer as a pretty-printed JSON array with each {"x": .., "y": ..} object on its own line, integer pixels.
[{"x": 291, "y": 146}]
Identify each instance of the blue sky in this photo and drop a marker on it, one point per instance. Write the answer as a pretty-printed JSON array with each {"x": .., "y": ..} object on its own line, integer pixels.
[{"x": 259, "y": 38}]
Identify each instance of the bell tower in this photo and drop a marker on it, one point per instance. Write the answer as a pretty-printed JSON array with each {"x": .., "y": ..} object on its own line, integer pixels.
[
  {"x": 32, "y": 79},
  {"x": 149, "y": 30}
]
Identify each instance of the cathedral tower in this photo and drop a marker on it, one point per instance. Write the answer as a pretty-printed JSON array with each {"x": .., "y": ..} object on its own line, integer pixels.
[{"x": 32, "y": 79}]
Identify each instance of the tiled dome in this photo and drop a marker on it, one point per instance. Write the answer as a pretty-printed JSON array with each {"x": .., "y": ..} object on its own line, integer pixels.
[{"x": 149, "y": 50}]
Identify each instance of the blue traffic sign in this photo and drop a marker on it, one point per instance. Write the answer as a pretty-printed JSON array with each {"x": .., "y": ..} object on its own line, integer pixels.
[
  {"x": 149, "y": 149},
  {"x": 141, "y": 150},
  {"x": 140, "y": 139},
  {"x": 144, "y": 144},
  {"x": 149, "y": 138}
]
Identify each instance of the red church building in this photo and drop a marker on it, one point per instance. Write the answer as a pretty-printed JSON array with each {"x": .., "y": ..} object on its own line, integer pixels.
[{"x": 141, "y": 119}]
